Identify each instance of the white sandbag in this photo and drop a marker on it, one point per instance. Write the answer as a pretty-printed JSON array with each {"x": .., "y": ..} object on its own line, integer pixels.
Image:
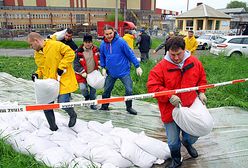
[
  {"x": 88, "y": 136},
  {"x": 37, "y": 119},
  {"x": 80, "y": 126},
  {"x": 17, "y": 142},
  {"x": 136, "y": 155},
  {"x": 81, "y": 162},
  {"x": 60, "y": 35},
  {"x": 99, "y": 127},
  {"x": 95, "y": 79},
  {"x": 46, "y": 90},
  {"x": 107, "y": 140},
  {"x": 195, "y": 120},
  {"x": 124, "y": 133},
  {"x": 153, "y": 146},
  {"x": 36, "y": 145},
  {"x": 79, "y": 149},
  {"x": 55, "y": 157},
  {"x": 62, "y": 134},
  {"x": 103, "y": 154},
  {"x": 43, "y": 132},
  {"x": 108, "y": 165}
]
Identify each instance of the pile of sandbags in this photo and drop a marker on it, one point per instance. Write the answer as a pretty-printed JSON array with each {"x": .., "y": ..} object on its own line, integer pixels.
[{"x": 84, "y": 144}]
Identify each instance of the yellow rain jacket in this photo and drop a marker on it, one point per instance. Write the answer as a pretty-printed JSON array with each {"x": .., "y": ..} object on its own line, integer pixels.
[
  {"x": 129, "y": 38},
  {"x": 53, "y": 56},
  {"x": 191, "y": 44}
]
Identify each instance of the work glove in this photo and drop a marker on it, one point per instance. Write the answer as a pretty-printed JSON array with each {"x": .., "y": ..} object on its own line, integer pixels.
[
  {"x": 84, "y": 74},
  {"x": 203, "y": 98},
  {"x": 139, "y": 71},
  {"x": 175, "y": 100},
  {"x": 60, "y": 72},
  {"x": 104, "y": 72},
  {"x": 34, "y": 76}
]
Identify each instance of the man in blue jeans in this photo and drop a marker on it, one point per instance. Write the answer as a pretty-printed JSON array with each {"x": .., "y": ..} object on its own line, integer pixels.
[
  {"x": 52, "y": 59},
  {"x": 115, "y": 58},
  {"x": 179, "y": 69}
]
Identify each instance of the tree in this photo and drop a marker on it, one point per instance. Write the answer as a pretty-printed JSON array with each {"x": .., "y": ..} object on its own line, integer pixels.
[{"x": 237, "y": 4}]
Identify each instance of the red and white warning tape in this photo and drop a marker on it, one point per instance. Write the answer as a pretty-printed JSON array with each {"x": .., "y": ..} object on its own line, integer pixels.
[{"x": 22, "y": 108}]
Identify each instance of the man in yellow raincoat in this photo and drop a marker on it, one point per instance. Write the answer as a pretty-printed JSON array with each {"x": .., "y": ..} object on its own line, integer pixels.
[
  {"x": 190, "y": 42},
  {"x": 52, "y": 59},
  {"x": 129, "y": 38}
]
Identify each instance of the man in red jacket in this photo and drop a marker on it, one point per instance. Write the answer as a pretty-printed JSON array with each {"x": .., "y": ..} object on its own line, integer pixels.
[
  {"x": 86, "y": 61},
  {"x": 177, "y": 70}
]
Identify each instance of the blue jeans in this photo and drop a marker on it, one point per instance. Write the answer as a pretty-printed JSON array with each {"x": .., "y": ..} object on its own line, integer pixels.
[
  {"x": 173, "y": 135},
  {"x": 89, "y": 95},
  {"x": 110, "y": 82},
  {"x": 63, "y": 98}
]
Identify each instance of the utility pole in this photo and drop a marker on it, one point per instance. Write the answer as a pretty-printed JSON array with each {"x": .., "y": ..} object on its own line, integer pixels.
[
  {"x": 187, "y": 5},
  {"x": 116, "y": 15}
]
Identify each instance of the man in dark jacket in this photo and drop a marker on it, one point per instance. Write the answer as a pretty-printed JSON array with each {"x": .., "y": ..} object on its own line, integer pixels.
[
  {"x": 171, "y": 34},
  {"x": 68, "y": 39},
  {"x": 144, "y": 41}
]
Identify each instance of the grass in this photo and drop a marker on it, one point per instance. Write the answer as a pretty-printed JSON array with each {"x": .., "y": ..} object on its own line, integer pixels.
[
  {"x": 24, "y": 45},
  {"x": 218, "y": 69},
  {"x": 9, "y": 158},
  {"x": 14, "y": 44}
]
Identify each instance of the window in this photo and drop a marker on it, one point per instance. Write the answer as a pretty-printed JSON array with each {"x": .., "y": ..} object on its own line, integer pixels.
[
  {"x": 217, "y": 25},
  {"x": 235, "y": 40},
  {"x": 180, "y": 24},
  {"x": 245, "y": 41},
  {"x": 189, "y": 24}
]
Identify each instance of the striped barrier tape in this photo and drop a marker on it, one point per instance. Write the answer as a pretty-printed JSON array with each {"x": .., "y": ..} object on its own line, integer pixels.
[{"x": 22, "y": 108}]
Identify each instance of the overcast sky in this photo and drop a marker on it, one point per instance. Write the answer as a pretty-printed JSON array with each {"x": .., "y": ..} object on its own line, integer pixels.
[{"x": 181, "y": 5}]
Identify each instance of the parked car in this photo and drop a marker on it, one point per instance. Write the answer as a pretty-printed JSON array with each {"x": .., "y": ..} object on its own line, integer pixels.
[
  {"x": 205, "y": 41},
  {"x": 230, "y": 46}
]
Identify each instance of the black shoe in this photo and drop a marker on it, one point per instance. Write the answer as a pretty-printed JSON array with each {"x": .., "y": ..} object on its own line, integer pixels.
[
  {"x": 174, "y": 163},
  {"x": 104, "y": 108},
  {"x": 191, "y": 150},
  {"x": 93, "y": 107},
  {"x": 131, "y": 111}
]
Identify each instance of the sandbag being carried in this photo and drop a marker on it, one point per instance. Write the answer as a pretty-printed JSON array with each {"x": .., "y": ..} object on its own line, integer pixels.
[
  {"x": 195, "y": 120},
  {"x": 95, "y": 79},
  {"x": 46, "y": 90},
  {"x": 60, "y": 35}
]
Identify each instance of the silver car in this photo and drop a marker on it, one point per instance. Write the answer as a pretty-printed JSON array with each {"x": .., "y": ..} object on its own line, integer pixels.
[
  {"x": 205, "y": 41},
  {"x": 230, "y": 46}
]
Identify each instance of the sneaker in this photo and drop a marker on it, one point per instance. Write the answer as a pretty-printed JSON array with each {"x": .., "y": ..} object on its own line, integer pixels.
[{"x": 191, "y": 150}]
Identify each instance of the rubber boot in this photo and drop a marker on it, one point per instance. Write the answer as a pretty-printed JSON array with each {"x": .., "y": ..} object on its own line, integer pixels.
[
  {"x": 176, "y": 159},
  {"x": 191, "y": 150},
  {"x": 87, "y": 98},
  {"x": 129, "y": 108},
  {"x": 73, "y": 117},
  {"x": 104, "y": 107},
  {"x": 51, "y": 119},
  {"x": 93, "y": 107}
]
